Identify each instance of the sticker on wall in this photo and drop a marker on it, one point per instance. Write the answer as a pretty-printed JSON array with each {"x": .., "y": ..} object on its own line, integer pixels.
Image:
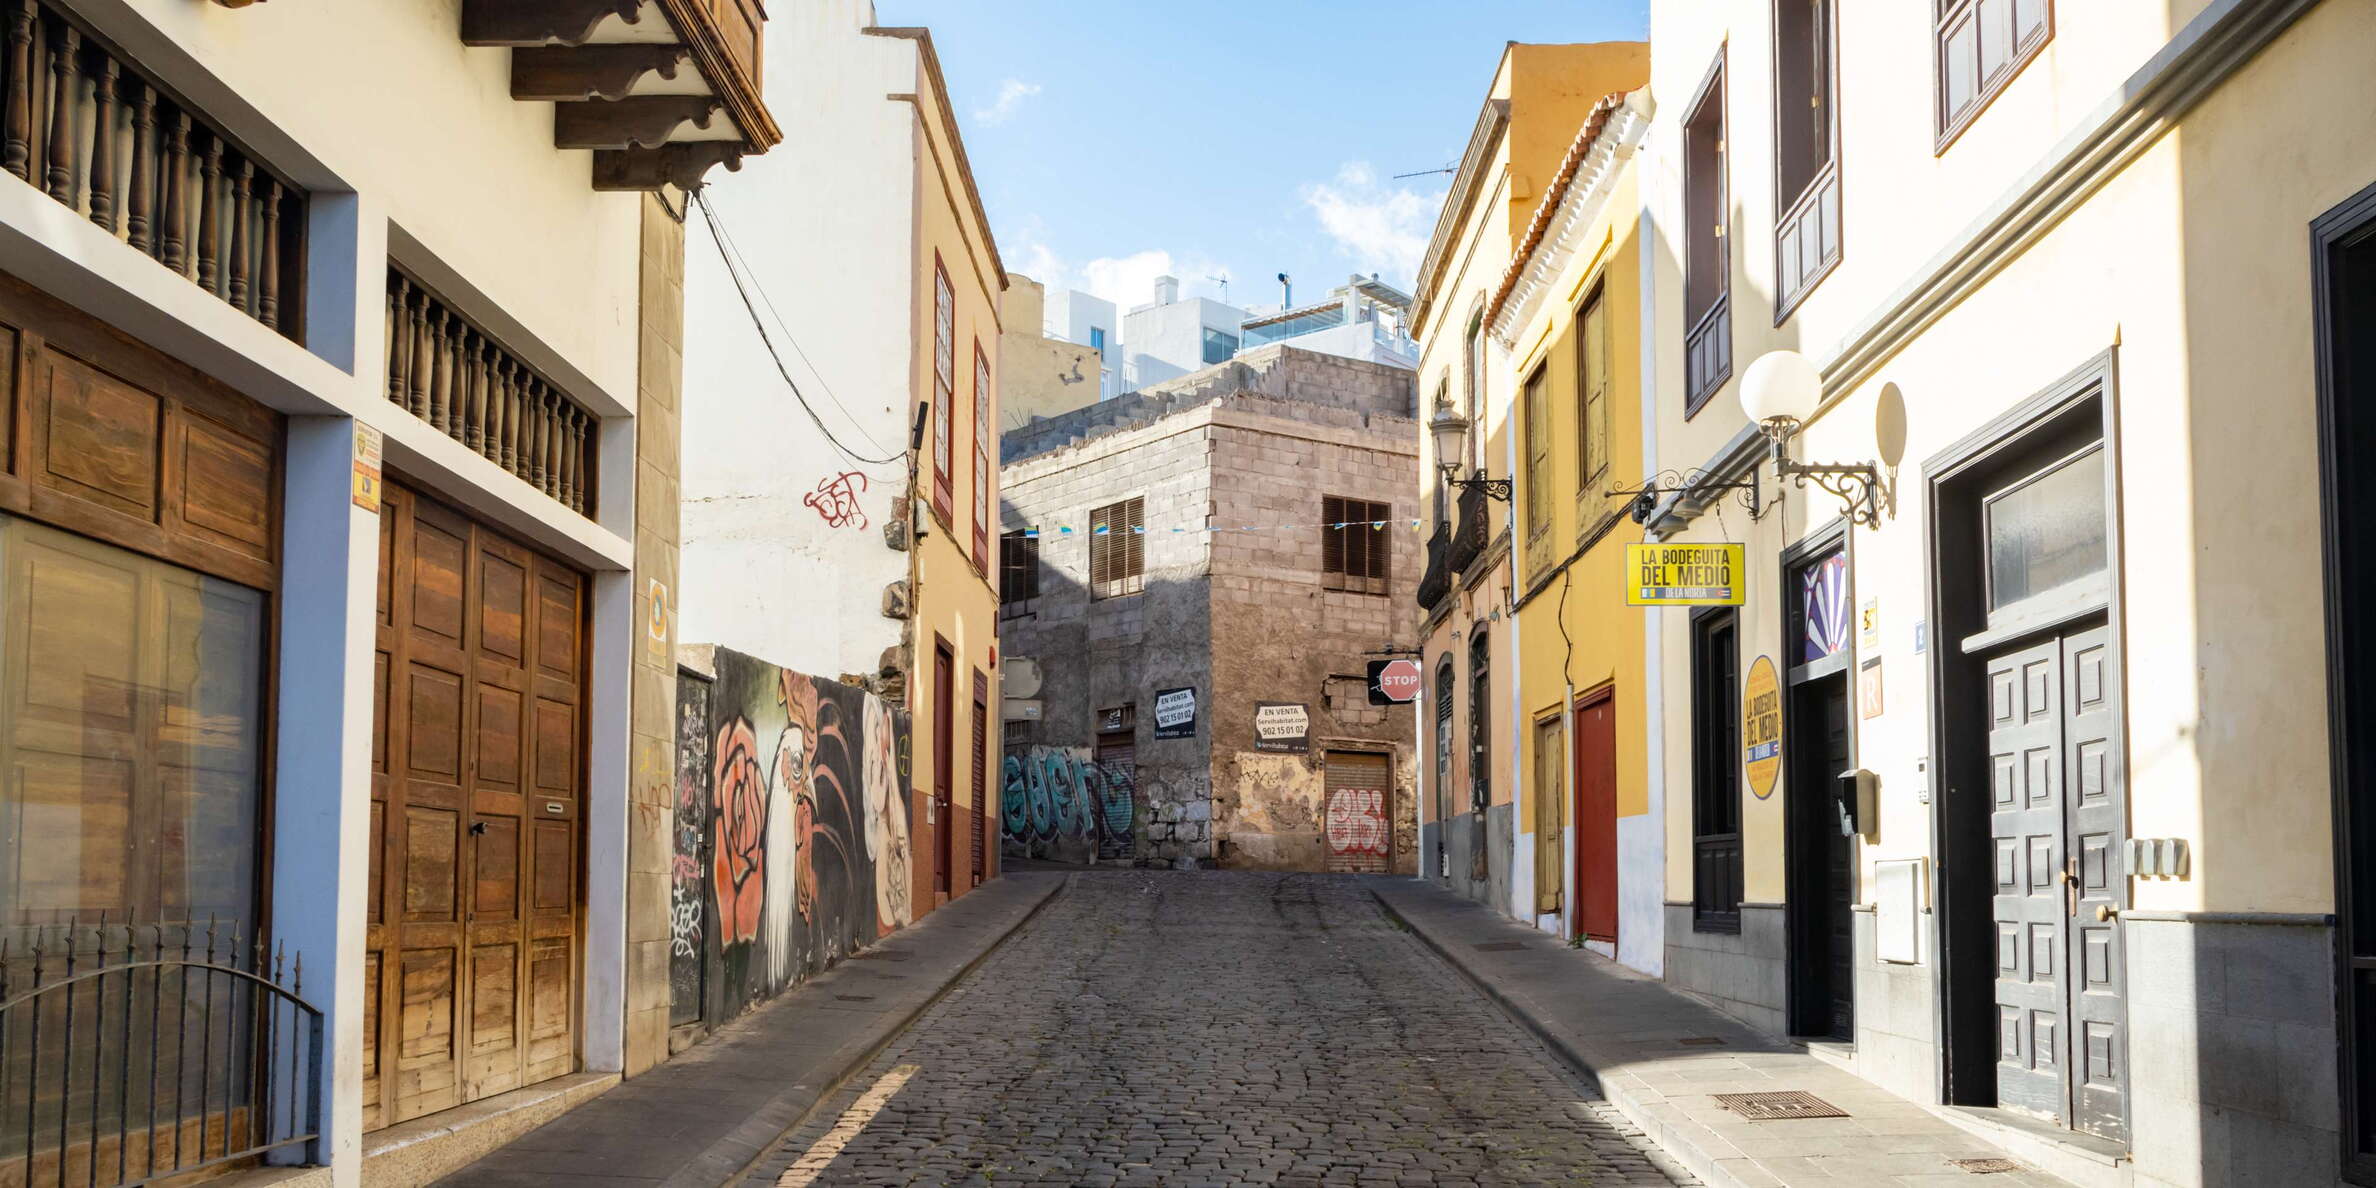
[
  {"x": 656, "y": 621},
  {"x": 1869, "y": 619},
  {"x": 1282, "y": 726},
  {"x": 1868, "y": 687},
  {"x": 1684, "y": 575},
  {"x": 367, "y": 468},
  {"x": 1175, "y": 713},
  {"x": 1761, "y": 727}
]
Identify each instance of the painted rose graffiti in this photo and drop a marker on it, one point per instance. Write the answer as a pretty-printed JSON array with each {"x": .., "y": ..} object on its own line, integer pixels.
[{"x": 739, "y": 862}]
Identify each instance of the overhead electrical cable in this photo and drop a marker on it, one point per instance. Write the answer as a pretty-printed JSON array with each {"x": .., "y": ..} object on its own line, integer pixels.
[{"x": 743, "y": 290}]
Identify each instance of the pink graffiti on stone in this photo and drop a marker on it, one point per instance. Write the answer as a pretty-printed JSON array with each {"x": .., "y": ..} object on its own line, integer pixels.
[
  {"x": 836, "y": 499},
  {"x": 1357, "y": 821}
]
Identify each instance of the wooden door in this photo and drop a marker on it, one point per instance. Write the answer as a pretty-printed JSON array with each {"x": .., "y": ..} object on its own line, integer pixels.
[
  {"x": 981, "y": 777},
  {"x": 471, "y": 956},
  {"x": 944, "y": 759},
  {"x": 1596, "y": 818},
  {"x": 1550, "y": 809},
  {"x": 2098, "y": 829}
]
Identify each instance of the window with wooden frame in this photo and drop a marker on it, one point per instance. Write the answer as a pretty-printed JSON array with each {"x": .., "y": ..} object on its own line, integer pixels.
[
  {"x": 1715, "y": 773},
  {"x": 1707, "y": 247},
  {"x": 1592, "y": 401},
  {"x": 1473, "y": 355},
  {"x": 981, "y": 458},
  {"x": 1354, "y": 547},
  {"x": 1981, "y": 45},
  {"x": 1806, "y": 149},
  {"x": 1018, "y": 574},
  {"x": 1118, "y": 549},
  {"x": 944, "y": 383},
  {"x": 1538, "y": 452}
]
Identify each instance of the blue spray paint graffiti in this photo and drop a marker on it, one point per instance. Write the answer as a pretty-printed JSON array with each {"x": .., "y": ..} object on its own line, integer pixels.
[{"x": 1056, "y": 802}]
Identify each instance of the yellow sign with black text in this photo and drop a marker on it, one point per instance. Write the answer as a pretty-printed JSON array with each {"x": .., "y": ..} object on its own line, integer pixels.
[
  {"x": 1761, "y": 727},
  {"x": 1685, "y": 575}
]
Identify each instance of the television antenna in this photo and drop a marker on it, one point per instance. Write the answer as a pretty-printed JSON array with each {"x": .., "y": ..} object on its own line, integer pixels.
[
  {"x": 1223, "y": 281},
  {"x": 1427, "y": 172}
]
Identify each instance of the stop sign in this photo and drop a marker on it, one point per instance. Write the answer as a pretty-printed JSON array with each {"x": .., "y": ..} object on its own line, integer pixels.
[{"x": 1393, "y": 682}]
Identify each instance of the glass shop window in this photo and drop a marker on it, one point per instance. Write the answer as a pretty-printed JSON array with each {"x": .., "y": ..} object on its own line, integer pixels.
[{"x": 131, "y": 715}]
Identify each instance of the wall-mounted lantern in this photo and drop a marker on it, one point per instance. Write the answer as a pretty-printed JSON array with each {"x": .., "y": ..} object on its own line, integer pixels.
[
  {"x": 1781, "y": 392},
  {"x": 1450, "y": 431}
]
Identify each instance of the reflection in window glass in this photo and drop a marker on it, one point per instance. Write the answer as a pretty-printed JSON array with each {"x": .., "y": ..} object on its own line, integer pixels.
[
  {"x": 2047, "y": 531},
  {"x": 131, "y": 707}
]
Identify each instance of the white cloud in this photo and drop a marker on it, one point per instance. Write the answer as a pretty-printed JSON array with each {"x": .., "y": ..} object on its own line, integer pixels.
[
  {"x": 1127, "y": 280},
  {"x": 1011, "y": 95},
  {"x": 1380, "y": 227}
]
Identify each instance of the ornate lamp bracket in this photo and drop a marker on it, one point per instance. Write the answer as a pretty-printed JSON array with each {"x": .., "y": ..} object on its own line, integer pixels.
[{"x": 1696, "y": 482}]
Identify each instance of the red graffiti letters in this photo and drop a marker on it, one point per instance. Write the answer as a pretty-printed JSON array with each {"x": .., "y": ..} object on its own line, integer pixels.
[
  {"x": 836, "y": 499},
  {"x": 1357, "y": 822}
]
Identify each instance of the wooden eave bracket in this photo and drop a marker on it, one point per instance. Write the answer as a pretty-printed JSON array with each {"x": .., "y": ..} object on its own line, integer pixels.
[
  {"x": 561, "y": 74},
  {"x": 539, "y": 22},
  {"x": 641, "y": 121},
  {"x": 679, "y": 165}
]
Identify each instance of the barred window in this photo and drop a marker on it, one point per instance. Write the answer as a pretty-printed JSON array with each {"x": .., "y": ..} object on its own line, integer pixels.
[
  {"x": 1117, "y": 549},
  {"x": 1355, "y": 548}
]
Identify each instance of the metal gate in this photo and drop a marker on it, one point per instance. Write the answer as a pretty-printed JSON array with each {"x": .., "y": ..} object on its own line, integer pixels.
[{"x": 1360, "y": 792}]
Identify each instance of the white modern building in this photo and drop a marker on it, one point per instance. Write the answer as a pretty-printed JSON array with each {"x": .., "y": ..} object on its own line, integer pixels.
[
  {"x": 1093, "y": 322},
  {"x": 1171, "y": 336},
  {"x": 1364, "y": 318}
]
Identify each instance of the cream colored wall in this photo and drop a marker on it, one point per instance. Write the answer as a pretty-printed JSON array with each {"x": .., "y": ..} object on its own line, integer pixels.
[
  {"x": 954, "y": 595},
  {"x": 2188, "y": 264},
  {"x": 387, "y": 102},
  {"x": 1041, "y": 376}
]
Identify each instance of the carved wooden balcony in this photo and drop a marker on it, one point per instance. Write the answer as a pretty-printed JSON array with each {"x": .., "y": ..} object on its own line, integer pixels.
[
  {"x": 1470, "y": 530},
  {"x": 1436, "y": 581},
  {"x": 84, "y": 125},
  {"x": 447, "y": 371},
  {"x": 660, "y": 90}
]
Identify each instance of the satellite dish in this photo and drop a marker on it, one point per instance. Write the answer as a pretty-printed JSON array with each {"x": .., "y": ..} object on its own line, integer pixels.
[{"x": 1019, "y": 677}]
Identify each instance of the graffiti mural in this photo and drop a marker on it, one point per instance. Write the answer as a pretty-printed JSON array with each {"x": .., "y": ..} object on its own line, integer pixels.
[
  {"x": 1356, "y": 829},
  {"x": 807, "y": 834},
  {"x": 688, "y": 908},
  {"x": 836, "y": 500},
  {"x": 1057, "y": 802}
]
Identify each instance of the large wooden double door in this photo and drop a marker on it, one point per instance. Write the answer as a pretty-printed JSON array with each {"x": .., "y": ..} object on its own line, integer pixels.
[{"x": 472, "y": 957}]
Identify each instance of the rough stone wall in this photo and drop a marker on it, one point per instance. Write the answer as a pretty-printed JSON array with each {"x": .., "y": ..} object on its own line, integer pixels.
[
  {"x": 1098, "y": 654},
  {"x": 1279, "y": 635},
  {"x": 1282, "y": 373},
  {"x": 652, "y": 718}
]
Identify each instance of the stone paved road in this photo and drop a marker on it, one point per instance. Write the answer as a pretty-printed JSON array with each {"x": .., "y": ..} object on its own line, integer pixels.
[{"x": 1161, "y": 1028}]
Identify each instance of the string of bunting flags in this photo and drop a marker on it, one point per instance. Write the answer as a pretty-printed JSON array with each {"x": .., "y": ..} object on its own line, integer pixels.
[{"x": 1064, "y": 530}]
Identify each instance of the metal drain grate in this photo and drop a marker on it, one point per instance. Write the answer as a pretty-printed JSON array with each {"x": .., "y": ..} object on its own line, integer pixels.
[
  {"x": 1985, "y": 1167},
  {"x": 855, "y": 997},
  {"x": 1774, "y": 1107},
  {"x": 1701, "y": 1041},
  {"x": 1499, "y": 946}
]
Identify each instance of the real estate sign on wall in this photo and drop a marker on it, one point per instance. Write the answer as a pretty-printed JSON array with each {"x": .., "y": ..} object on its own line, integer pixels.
[
  {"x": 1175, "y": 713},
  {"x": 1685, "y": 575},
  {"x": 1282, "y": 726}
]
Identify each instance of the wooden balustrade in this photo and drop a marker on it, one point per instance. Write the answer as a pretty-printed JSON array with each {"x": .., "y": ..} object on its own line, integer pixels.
[
  {"x": 450, "y": 373},
  {"x": 97, "y": 135}
]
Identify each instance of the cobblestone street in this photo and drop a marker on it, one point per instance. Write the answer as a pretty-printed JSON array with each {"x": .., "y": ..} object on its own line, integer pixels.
[{"x": 1161, "y": 1028}]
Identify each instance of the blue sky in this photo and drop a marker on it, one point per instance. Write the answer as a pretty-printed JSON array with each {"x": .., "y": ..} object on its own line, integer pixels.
[{"x": 1116, "y": 141}]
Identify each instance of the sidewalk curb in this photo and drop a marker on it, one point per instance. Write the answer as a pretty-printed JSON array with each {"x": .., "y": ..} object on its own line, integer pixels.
[
  {"x": 1682, "y": 1147},
  {"x": 892, "y": 1027}
]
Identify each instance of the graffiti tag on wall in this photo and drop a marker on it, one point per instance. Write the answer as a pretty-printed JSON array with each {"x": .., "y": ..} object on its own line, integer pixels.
[
  {"x": 1058, "y": 802},
  {"x": 689, "y": 849},
  {"x": 836, "y": 499},
  {"x": 1356, "y": 829}
]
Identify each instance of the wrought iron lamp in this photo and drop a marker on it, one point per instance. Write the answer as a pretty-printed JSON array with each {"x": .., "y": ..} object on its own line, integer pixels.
[
  {"x": 1780, "y": 392},
  {"x": 1450, "y": 431}
]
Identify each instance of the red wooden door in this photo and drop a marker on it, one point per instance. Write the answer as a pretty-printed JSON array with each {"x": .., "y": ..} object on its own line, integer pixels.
[
  {"x": 981, "y": 777},
  {"x": 944, "y": 758},
  {"x": 1596, "y": 817}
]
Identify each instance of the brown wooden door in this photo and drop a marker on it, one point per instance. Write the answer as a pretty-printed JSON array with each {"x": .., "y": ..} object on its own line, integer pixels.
[
  {"x": 944, "y": 759},
  {"x": 471, "y": 956},
  {"x": 1596, "y": 818},
  {"x": 981, "y": 777}
]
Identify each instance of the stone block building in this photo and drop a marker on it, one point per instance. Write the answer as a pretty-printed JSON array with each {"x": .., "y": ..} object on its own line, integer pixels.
[{"x": 1195, "y": 576}]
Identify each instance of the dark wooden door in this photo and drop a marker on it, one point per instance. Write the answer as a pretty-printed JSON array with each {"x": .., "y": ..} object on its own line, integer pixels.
[
  {"x": 1596, "y": 818},
  {"x": 471, "y": 956},
  {"x": 1821, "y": 862},
  {"x": 2058, "y": 823},
  {"x": 981, "y": 777},
  {"x": 944, "y": 759}
]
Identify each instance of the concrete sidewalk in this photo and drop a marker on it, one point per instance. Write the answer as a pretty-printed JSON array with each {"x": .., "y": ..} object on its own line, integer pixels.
[
  {"x": 1661, "y": 1056},
  {"x": 701, "y": 1119}
]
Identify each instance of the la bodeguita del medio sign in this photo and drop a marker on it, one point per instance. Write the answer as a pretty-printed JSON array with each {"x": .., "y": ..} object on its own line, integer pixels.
[{"x": 1685, "y": 575}]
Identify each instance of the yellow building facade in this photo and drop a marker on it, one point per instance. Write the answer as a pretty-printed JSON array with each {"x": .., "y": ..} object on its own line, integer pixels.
[
  {"x": 1474, "y": 709},
  {"x": 1564, "y": 323},
  {"x": 953, "y": 625}
]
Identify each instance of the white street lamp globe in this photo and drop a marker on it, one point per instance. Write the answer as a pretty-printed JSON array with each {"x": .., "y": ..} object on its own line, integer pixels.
[
  {"x": 1781, "y": 386},
  {"x": 1450, "y": 432}
]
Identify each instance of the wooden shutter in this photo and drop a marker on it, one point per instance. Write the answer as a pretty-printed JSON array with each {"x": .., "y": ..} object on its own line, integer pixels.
[
  {"x": 1332, "y": 543},
  {"x": 1592, "y": 382},
  {"x": 1538, "y": 453},
  {"x": 1135, "y": 546}
]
